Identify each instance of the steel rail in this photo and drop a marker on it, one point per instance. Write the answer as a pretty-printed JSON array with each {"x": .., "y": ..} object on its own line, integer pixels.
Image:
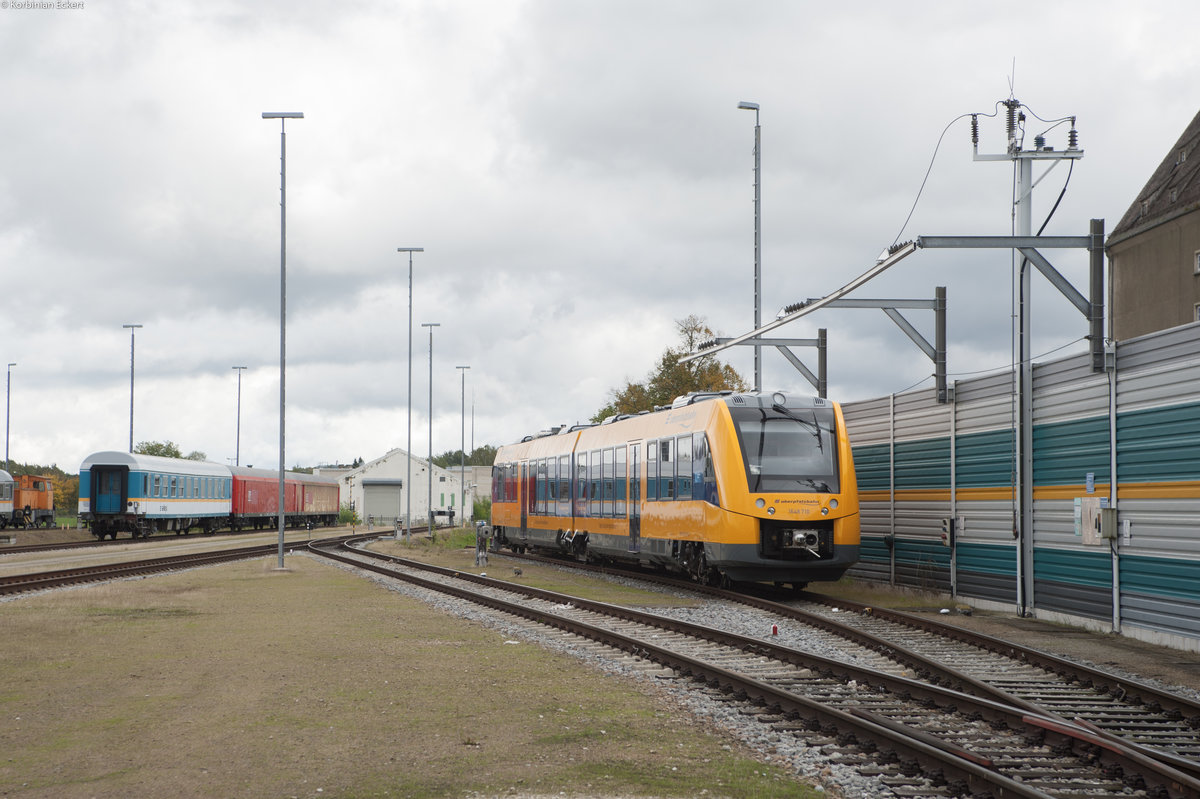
[{"x": 1061, "y": 733}]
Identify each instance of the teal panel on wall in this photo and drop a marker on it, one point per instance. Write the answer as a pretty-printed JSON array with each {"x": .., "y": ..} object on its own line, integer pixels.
[
  {"x": 874, "y": 550},
  {"x": 1072, "y": 566},
  {"x": 1159, "y": 444},
  {"x": 1161, "y": 577},
  {"x": 923, "y": 464},
  {"x": 1065, "y": 452},
  {"x": 984, "y": 460},
  {"x": 987, "y": 558},
  {"x": 872, "y": 467},
  {"x": 922, "y": 553}
]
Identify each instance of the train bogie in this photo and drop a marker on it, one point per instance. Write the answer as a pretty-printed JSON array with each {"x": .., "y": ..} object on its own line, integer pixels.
[{"x": 748, "y": 487}]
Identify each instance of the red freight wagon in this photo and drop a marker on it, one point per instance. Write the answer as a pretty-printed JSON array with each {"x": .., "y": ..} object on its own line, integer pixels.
[{"x": 306, "y": 499}]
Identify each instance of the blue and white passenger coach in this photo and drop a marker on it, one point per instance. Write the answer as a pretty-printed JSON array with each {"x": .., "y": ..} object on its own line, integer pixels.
[{"x": 144, "y": 494}]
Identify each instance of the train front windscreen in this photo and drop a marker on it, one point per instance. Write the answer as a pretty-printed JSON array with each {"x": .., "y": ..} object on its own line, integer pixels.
[{"x": 788, "y": 449}]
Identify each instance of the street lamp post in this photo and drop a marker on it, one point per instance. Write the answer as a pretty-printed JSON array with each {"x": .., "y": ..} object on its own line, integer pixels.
[
  {"x": 132, "y": 331},
  {"x": 283, "y": 117},
  {"x": 408, "y": 447},
  {"x": 462, "y": 473},
  {"x": 237, "y": 458},
  {"x": 7, "y": 409},
  {"x": 747, "y": 106},
  {"x": 429, "y": 499}
]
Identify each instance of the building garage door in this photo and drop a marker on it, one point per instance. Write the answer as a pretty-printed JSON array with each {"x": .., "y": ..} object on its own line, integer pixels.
[{"x": 382, "y": 500}]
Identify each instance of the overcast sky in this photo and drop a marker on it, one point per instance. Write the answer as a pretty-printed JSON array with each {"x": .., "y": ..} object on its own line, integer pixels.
[{"x": 578, "y": 173}]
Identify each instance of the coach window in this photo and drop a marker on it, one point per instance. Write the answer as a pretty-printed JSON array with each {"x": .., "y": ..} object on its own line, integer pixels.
[
  {"x": 594, "y": 492},
  {"x": 581, "y": 476},
  {"x": 552, "y": 486},
  {"x": 702, "y": 466},
  {"x": 541, "y": 486},
  {"x": 145, "y": 485},
  {"x": 683, "y": 461},
  {"x": 608, "y": 482},
  {"x": 651, "y": 471},
  {"x": 619, "y": 498},
  {"x": 564, "y": 485},
  {"x": 666, "y": 469}
]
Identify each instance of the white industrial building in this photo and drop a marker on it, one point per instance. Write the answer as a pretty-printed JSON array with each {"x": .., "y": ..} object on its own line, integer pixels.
[{"x": 377, "y": 491}]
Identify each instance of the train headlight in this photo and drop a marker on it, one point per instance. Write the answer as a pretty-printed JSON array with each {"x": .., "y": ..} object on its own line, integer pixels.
[
  {"x": 833, "y": 503},
  {"x": 824, "y": 511},
  {"x": 771, "y": 511},
  {"x": 758, "y": 503}
]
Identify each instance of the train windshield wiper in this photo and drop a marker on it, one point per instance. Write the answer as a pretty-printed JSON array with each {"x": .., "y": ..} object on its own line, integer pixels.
[{"x": 814, "y": 425}]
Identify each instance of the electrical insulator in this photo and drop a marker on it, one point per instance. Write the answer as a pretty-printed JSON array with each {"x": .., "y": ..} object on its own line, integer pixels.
[
  {"x": 974, "y": 129},
  {"x": 1073, "y": 137},
  {"x": 1039, "y": 142},
  {"x": 1011, "y": 114}
]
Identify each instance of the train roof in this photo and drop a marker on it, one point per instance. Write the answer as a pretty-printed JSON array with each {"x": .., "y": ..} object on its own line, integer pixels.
[
  {"x": 271, "y": 474},
  {"x": 746, "y": 399},
  {"x": 5, "y": 477},
  {"x": 154, "y": 463}
]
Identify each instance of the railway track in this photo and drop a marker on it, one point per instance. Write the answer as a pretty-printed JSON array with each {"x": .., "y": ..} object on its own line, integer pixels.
[
  {"x": 1161, "y": 724},
  {"x": 919, "y": 738},
  {"x": 38, "y": 581}
]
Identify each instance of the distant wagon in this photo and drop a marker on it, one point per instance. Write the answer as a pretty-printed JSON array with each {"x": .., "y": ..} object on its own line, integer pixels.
[
  {"x": 26, "y": 500},
  {"x": 145, "y": 494}
]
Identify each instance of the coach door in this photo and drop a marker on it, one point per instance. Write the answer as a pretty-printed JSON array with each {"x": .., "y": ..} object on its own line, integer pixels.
[
  {"x": 110, "y": 494},
  {"x": 526, "y": 497},
  {"x": 635, "y": 498}
]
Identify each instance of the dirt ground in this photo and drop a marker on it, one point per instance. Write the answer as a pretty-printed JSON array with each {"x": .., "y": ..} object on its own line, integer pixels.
[{"x": 242, "y": 680}]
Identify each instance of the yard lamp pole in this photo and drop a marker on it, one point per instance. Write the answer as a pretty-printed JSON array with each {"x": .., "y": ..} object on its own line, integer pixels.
[
  {"x": 7, "y": 409},
  {"x": 408, "y": 448},
  {"x": 237, "y": 458},
  {"x": 747, "y": 106},
  {"x": 283, "y": 117},
  {"x": 429, "y": 499},
  {"x": 462, "y": 473},
  {"x": 132, "y": 331}
]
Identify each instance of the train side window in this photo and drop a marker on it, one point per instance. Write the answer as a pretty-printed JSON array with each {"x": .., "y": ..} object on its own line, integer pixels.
[
  {"x": 702, "y": 468},
  {"x": 552, "y": 485},
  {"x": 608, "y": 482},
  {"x": 651, "y": 471},
  {"x": 619, "y": 485},
  {"x": 666, "y": 469},
  {"x": 594, "y": 482},
  {"x": 581, "y": 482},
  {"x": 540, "y": 508},
  {"x": 683, "y": 460},
  {"x": 564, "y": 485}
]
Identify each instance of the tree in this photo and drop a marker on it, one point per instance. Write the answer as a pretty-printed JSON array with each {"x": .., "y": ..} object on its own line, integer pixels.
[
  {"x": 163, "y": 449},
  {"x": 670, "y": 378},
  {"x": 484, "y": 455}
]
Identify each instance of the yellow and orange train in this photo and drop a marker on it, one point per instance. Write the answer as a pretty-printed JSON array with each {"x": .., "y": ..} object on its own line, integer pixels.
[{"x": 725, "y": 487}]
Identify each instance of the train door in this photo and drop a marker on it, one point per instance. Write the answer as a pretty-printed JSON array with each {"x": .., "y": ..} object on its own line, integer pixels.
[
  {"x": 635, "y": 498},
  {"x": 109, "y": 490},
  {"x": 526, "y": 498}
]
